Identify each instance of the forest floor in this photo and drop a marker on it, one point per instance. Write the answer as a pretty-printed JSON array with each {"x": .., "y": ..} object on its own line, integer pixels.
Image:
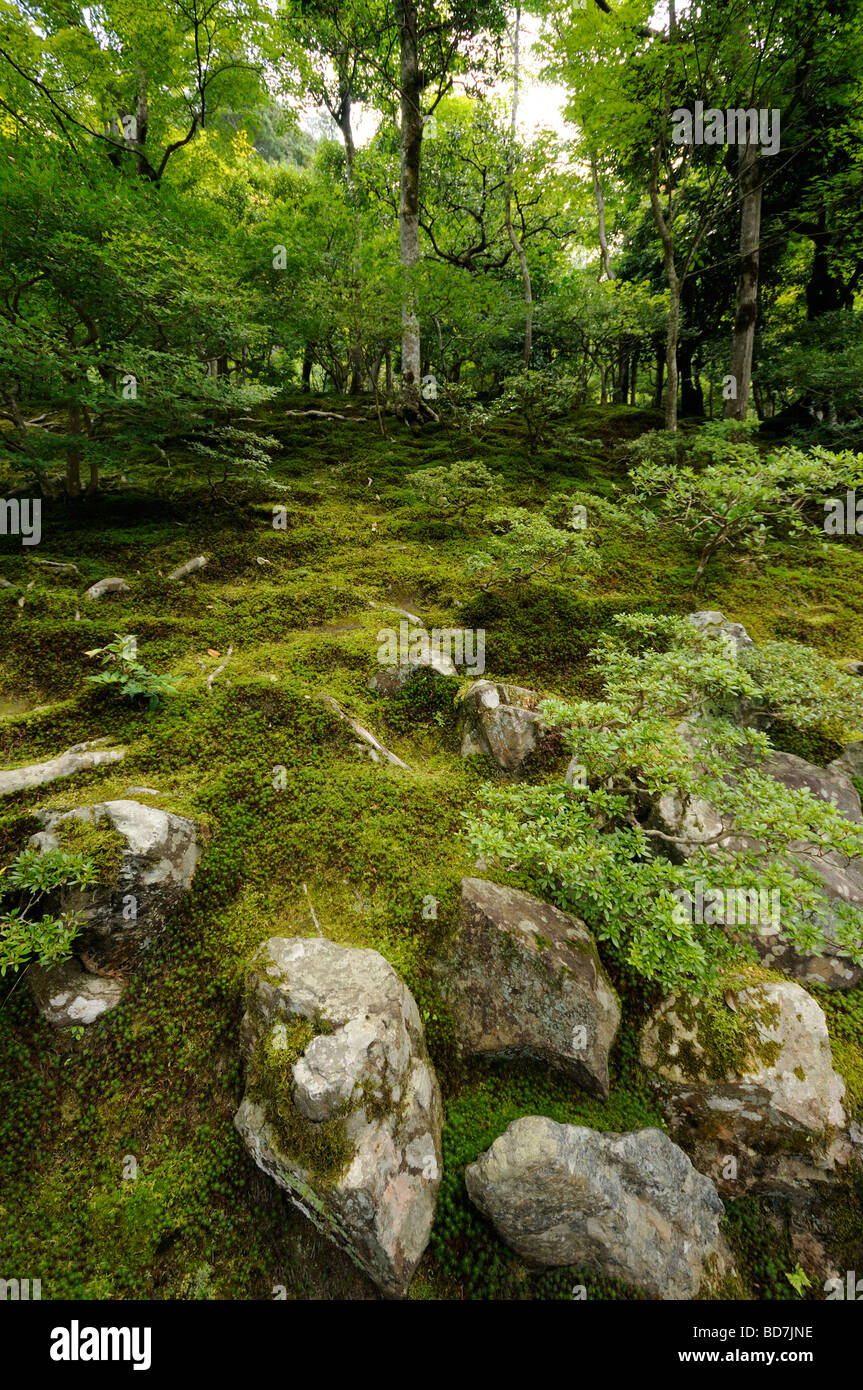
[{"x": 159, "y": 1078}]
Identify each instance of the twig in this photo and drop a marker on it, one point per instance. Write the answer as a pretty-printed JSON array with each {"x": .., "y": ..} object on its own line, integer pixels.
[
  {"x": 218, "y": 670},
  {"x": 312, "y": 911}
]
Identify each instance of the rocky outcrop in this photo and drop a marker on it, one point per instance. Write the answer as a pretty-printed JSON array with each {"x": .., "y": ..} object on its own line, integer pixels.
[
  {"x": 341, "y": 1106},
  {"x": 501, "y": 721},
  {"x": 628, "y": 1206},
  {"x": 123, "y": 913},
  {"x": 755, "y": 1064},
  {"x": 841, "y": 880},
  {"x": 522, "y": 979},
  {"x": 81, "y": 757}
]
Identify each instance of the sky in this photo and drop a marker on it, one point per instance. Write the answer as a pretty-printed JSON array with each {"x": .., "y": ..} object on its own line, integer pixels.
[{"x": 540, "y": 103}]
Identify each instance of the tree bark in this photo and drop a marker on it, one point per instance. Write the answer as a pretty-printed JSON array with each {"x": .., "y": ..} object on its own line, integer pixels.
[
  {"x": 674, "y": 291},
  {"x": 600, "y": 219},
  {"x": 411, "y": 152},
  {"x": 750, "y": 183},
  {"x": 517, "y": 247},
  {"x": 73, "y": 453}
]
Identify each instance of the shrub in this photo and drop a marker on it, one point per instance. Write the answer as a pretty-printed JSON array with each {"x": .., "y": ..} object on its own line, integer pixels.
[
  {"x": 520, "y": 544},
  {"x": 655, "y": 733},
  {"x": 457, "y": 490},
  {"x": 32, "y": 877}
]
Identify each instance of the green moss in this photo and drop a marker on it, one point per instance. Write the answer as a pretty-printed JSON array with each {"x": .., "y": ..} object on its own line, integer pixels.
[
  {"x": 728, "y": 1041},
  {"x": 321, "y": 1147},
  {"x": 844, "y": 1014},
  {"x": 99, "y": 842},
  {"x": 159, "y": 1077}
]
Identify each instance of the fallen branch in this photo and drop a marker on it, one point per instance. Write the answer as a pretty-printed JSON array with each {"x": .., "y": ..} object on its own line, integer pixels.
[
  {"x": 312, "y": 911},
  {"x": 218, "y": 670},
  {"x": 378, "y": 748}
]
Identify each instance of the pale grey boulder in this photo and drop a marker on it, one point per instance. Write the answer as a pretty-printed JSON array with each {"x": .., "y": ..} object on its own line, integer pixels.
[
  {"x": 159, "y": 855},
  {"x": 628, "y": 1206},
  {"x": 81, "y": 757},
  {"x": 502, "y": 721},
  {"x": 335, "y": 1056},
  {"x": 772, "y": 1083},
  {"x": 112, "y": 585},
  {"x": 67, "y": 995},
  {"x": 524, "y": 980},
  {"x": 717, "y": 625}
]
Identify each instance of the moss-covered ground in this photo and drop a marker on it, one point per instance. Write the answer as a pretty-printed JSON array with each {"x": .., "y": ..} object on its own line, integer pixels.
[{"x": 364, "y": 845}]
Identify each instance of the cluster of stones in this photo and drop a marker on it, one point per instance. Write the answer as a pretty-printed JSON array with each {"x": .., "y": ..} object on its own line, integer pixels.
[{"x": 341, "y": 1106}]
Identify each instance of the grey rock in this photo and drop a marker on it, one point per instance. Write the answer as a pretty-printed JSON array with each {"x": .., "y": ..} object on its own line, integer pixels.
[
  {"x": 158, "y": 864},
  {"x": 81, "y": 757},
  {"x": 628, "y": 1206},
  {"x": 69, "y": 995},
  {"x": 112, "y": 585},
  {"x": 500, "y": 720},
  {"x": 523, "y": 979},
  {"x": 850, "y": 761},
  {"x": 366, "y": 1075},
  {"x": 778, "y": 1087},
  {"x": 717, "y": 624}
]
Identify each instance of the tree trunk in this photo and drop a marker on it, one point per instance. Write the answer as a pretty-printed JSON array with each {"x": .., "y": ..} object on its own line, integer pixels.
[
  {"x": 307, "y": 367},
  {"x": 633, "y": 377},
  {"x": 73, "y": 453},
  {"x": 691, "y": 394},
  {"x": 750, "y": 183},
  {"x": 388, "y": 359},
  {"x": 510, "y": 230},
  {"x": 411, "y": 152},
  {"x": 600, "y": 219},
  {"x": 674, "y": 291},
  {"x": 660, "y": 379}
]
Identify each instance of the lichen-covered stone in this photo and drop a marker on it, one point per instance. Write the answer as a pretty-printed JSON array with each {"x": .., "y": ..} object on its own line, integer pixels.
[
  {"x": 523, "y": 979},
  {"x": 628, "y": 1206},
  {"x": 342, "y": 1108},
  {"x": 717, "y": 624},
  {"x": 69, "y": 995},
  {"x": 159, "y": 853},
  {"x": 501, "y": 721},
  {"x": 753, "y": 1063}
]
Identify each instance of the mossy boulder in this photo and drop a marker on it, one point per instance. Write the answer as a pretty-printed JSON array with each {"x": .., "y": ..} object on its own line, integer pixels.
[
  {"x": 748, "y": 1066},
  {"x": 501, "y": 721},
  {"x": 145, "y": 860},
  {"x": 523, "y": 979},
  {"x": 342, "y": 1108}
]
